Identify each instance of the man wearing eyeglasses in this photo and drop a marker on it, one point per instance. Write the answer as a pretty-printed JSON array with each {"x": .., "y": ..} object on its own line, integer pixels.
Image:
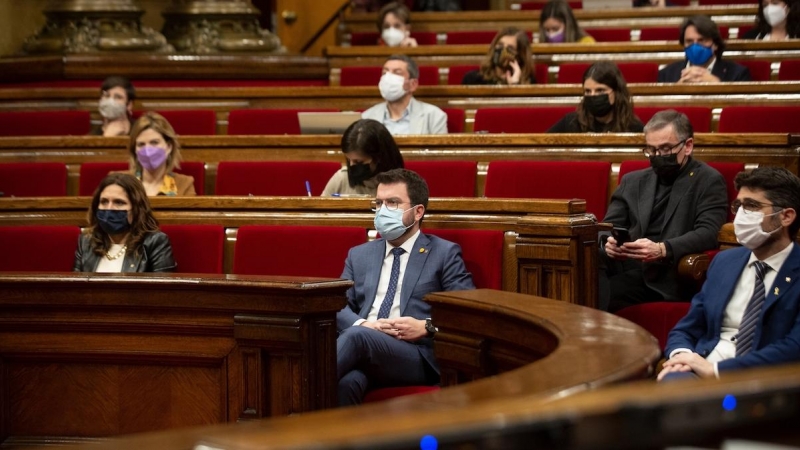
[
  {"x": 385, "y": 331},
  {"x": 674, "y": 208},
  {"x": 748, "y": 312}
]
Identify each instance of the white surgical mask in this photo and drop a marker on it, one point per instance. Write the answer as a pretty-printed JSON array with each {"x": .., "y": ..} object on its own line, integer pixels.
[
  {"x": 111, "y": 109},
  {"x": 747, "y": 227},
  {"x": 393, "y": 36},
  {"x": 391, "y": 87},
  {"x": 774, "y": 14}
]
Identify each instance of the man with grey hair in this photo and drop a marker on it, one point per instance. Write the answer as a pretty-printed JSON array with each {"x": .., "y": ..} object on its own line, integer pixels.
[
  {"x": 402, "y": 113},
  {"x": 660, "y": 214}
]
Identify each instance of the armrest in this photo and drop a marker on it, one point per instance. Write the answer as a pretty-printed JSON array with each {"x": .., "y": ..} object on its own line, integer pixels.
[{"x": 693, "y": 267}]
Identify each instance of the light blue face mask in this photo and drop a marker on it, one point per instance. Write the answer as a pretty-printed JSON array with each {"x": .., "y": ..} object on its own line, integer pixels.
[
  {"x": 698, "y": 54},
  {"x": 390, "y": 223}
]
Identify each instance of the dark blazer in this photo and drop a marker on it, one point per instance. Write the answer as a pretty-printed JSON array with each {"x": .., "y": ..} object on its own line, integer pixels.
[
  {"x": 696, "y": 211},
  {"x": 777, "y": 335},
  {"x": 434, "y": 265},
  {"x": 474, "y": 77},
  {"x": 723, "y": 69},
  {"x": 154, "y": 255}
]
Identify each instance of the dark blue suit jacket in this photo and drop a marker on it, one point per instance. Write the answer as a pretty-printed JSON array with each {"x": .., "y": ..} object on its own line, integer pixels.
[
  {"x": 777, "y": 338},
  {"x": 723, "y": 69},
  {"x": 439, "y": 267}
]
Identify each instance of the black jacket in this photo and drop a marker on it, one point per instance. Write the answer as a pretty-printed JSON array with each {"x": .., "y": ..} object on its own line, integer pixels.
[
  {"x": 724, "y": 70},
  {"x": 474, "y": 77},
  {"x": 154, "y": 255},
  {"x": 569, "y": 124}
]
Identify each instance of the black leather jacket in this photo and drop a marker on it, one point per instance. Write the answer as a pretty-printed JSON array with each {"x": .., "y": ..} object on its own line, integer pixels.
[{"x": 154, "y": 255}]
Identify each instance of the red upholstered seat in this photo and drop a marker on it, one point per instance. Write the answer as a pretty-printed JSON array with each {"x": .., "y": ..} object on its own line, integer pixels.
[
  {"x": 658, "y": 318},
  {"x": 378, "y": 395},
  {"x": 456, "y": 73},
  {"x": 518, "y": 120},
  {"x": 265, "y": 121},
  {"x": 370, "y": 76},
  {"x": 587, "y": 180},
  {"x": 35, "y": 248},
  {"x": 44, "y": 123},
  {"x": 659, "y": 34},
  {"x": 610, "y": 34},
  {"x": 632, "y": 72},
  {"x": 92, "y": 173},
  {"x": 40, "y": 179},
  {"x": 447, "y": 178},
  {"x": 197, "y": 170},
  {"x": 455, "y": 119},
  {"x": 759, "y": 119},
  {"x": 470, "y": 37},
  {"x": 279, "y": 178},
  {"x": 196, "y": 248},
  {"x": 631, "y": 165},
  {"x": 371, "y": 38},
  {"x": 759, "y": 70},
  {"x": 192, "y": 122},
  {"x": 538, "y": 5},
  {"x": 699, "y": 116},
  {"x": 789, "y": 71},
  {"x": 308, "y": 251},
  {"x": 482, "y": 251}
]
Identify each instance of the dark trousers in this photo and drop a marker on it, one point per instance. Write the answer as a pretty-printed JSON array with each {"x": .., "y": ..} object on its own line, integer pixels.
[{"x": 622, "y": 284}]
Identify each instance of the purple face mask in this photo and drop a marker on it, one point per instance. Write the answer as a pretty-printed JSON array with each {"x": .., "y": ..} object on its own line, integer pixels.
[
  {"x": 151, "y": 158},
  {"x": 556, "y": 38}
]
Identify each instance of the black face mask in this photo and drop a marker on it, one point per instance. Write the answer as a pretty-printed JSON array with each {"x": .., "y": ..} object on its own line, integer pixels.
[
  {"x": 357, "y": 174},
  {"x": 666, "y": 167},
  {"x": 113, "y": 221},
  {"x": 597, "y": 105}
]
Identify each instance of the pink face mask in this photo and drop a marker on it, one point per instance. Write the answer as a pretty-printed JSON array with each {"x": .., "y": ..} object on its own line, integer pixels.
[{"x": 151, "y": 158}]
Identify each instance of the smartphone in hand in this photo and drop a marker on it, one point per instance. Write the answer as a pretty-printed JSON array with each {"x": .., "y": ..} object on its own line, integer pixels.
[{"x": 621, "y": 235}]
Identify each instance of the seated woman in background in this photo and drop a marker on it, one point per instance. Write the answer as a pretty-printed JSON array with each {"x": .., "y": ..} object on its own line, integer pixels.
[
  {"x": 606, "y": 106},
  {"x": 509, "y": 61},
  {"x": 394, "y": 25},
  {"x": 122, "y": 235},
  {"x": 776, "y": 20},
  {"x": 154, "y": 151},
  {"x": 369, "y": 149},
  {"x": 557, "y": 24},
  {"x": 116, "y": 106}
]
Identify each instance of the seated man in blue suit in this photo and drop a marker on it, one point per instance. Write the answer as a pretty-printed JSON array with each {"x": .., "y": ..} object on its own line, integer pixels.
[
  {"x": 748, "y": 312},
  {"x": 385, "y": 330}
]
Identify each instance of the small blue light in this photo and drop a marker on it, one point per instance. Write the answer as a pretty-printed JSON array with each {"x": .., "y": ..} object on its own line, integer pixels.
[
  {"x": 729, "y": 403},
  {"x": 428, "y": 443}
]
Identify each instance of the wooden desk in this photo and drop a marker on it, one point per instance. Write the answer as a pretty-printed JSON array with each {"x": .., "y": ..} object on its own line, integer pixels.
[{"x": 107, "y": 354}]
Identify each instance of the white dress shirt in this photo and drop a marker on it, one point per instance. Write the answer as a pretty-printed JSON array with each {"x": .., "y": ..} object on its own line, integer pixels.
[{"x": 399, "y": 126}]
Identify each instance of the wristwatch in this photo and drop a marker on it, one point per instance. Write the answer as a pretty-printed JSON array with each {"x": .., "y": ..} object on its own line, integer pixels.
[{"x": 432, "y": 330}]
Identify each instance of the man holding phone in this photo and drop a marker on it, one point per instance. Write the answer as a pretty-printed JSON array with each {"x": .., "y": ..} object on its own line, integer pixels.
[{"x": 672, "y": 209}]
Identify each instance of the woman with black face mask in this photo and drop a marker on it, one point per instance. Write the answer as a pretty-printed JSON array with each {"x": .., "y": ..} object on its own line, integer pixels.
[
  {"x": 369, "y": 149},
  {"x": 123, "y": 235},
  {"x": 606, "y": 106}
]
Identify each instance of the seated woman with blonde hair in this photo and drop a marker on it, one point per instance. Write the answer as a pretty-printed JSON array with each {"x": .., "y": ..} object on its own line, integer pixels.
[
  {"x": 123, "y": 234},
  {"x": 154, "y": 151}
]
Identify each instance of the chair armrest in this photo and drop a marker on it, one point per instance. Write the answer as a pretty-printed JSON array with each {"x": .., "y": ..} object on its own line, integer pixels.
[{"x": 693, "y": 267}]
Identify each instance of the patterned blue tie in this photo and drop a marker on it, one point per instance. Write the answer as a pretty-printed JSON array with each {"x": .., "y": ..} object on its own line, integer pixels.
[
  {"x": 386, "y": 306},
  {"x": 747, "y": 329}
]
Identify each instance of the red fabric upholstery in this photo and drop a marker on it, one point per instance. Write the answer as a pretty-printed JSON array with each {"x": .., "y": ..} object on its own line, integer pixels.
[
  {"x": 95, "y": 84},
  {"x": 265, "y": 121},
  {"x": 455, "y": 119},
  {"x": 196, "y": 248},
  {"x": 518, "y": 120},
  {"x": 313, "y": 251},
  {"x": 279, "y": 178},
  {"x": 789, "y": 71},
  {"x": 456, "y": 73},
  {"x": 92, "y": 173},
  {"x": 759, "y": 70},
  {"x": 470, "y": 37},
  {"x": 551, "y": 179},
  {"x": 44, "y": 123},
  {"x": 192, "y": 122},
  {"x": 729, "y": 172},
  {"x": 38, "y": 248},
  {"x": 631, "y": 165},
  {"x": 378, "y": 395},
  {"x": 538, "y": 5},
  {"x": 632, "y": 72},
  {"x": 447, "y": 178},
  {"x": 759, "y": 119},
  {"x": 370, "y": 76},
  {"x": 699, "y": 116},
  {"x": 610, "y": 34},
  {"x": 660, "y": 34},
  {"x": 428, "y": 75},
  {"x": 482, "y": 251},
  {"x": 42, "y": 179},
  {"x": 658, "y": 318},
  {"x": 540, "y": 70},
  {"x": 197, "y": 170},
  {"x": 372, "y": 37}
]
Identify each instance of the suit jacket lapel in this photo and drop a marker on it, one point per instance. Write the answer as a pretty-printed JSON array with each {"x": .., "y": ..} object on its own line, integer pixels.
[
  {"x": 374, "y": 264},
  {"x": 790, "y": 270},
  {"x": 647, "y": 192},
  {"x": 727, "y": 284},
  {"x": 415, "y": 118},
  {"x": 416, "y": 261},
  {"x": 679, "y": 189}
]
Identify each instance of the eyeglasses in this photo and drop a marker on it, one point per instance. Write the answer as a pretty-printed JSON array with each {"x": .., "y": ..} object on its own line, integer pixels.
[
  {"x": 390, "y": 204},
  {"x": 749, "y": 206},
  {"x": 651, "y": 151}
]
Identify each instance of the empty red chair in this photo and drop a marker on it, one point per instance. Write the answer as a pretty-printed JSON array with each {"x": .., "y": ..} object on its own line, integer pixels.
[
  {"x": 265, "y": 121},
  {"x": 428, "y": 75},
  {"x": 759, "y": 119},
  {"x": 610, "y": 34},
  {"x": 699, "y": 116},
  {"x": 371, "y": 76},
  {"x": 482, "y": 251},
  {"x": 196, "y": 248},
  {"x": 729, "y": 172},
  {"x": 304, "y": 251},
  {"x": 447, "y": 178},
  {"x": 197, "y": 170},
  {"x": 658, "y": 318},
  {"x": 551, "y": 179},
  {"x": 41, "y": 179},
  {"x": 660, "y": 34},
  {"x": 192, "y": 122},
  {"x": 92, "y": 173},
  {"x": 278, "y": 178},
  {"x": 518, "y": 120},
  {"x": 455, "y": 119},
  {"x": 44, "y": 123},
  {"x": 789, "y": 71},
  {"x": 759, "y": 70},
  {"x": 456, "y": 73},
  {"x": 38, "y": 248},
  {"x": 470, "y": 37},
  {"x": 632, "y": 72},
  {"x": 629, "y": 166}
]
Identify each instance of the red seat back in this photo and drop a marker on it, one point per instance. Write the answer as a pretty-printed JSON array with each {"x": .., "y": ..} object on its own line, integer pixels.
[
  {"x": 197, "y": 170},
  {"x": 551, "y": 179},
  {"x": 759, "y": 119},
  {"x": 313, "y": 251},
  {"x": 729, "y": 172},
  {"x": 632, "y": 72},
  {"x": 92, "y": 173},
  {"x": 629, "y": 166},
  {"x": 196, "y": 248},
  {"x": 371, "y": 76},
  {"x": 192, "y": 122},
  {"x": 470, "y": 37},
  {"x": 40, "y": 179},
  {"x": 36, "y": 248},
  {"x": 447, "y": 178},
  {"x": 265, "y": 121},
  {"x": 789, "y": 71},
  {"x": 659, "y": 34},
  {"x": 456, "y": 73},
  {"x": 610, "y": 34},
  {"x": 482, "y": 251},
  {"x": 518, "y": 120},
  {"x": 455, "y": 119},
  {"x": 44, "y": 123},
  {"x": 278, "y": 178},
  {"x": 699, "y": 116},
  {"x": 759, "y": 70},
  {"x": 658, "y": 318}
]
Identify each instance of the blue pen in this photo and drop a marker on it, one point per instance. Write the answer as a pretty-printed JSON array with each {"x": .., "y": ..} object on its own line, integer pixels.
[{"x": 308, "y": 188}]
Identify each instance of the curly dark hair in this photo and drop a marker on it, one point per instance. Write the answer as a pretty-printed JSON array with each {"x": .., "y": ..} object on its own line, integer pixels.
[{"x": 780, "y": 186}]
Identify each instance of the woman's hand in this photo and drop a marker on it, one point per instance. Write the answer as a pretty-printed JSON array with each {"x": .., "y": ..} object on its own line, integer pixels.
[{"x": 513, "y": 75}]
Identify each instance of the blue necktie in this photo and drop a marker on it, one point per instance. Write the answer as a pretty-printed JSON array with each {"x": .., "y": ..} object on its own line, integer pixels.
[
  {"x": 386, "y": 306},
  {"x": 747, "y": 329}
]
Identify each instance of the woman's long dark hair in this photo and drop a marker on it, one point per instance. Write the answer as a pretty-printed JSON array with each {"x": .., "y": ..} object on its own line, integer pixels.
[
  {"x": 561, "y": 11},
  {"x": 524, "y": 58},
  {"x": 606, "y": 72},
  {"x": 372, "y": 139},
  {"x": 792, "y": 20}
]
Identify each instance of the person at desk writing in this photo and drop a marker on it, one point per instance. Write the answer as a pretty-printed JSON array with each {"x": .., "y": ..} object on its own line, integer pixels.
[
  {"x": 123, "y": 234},
  {"x": 369, "y": 149}
]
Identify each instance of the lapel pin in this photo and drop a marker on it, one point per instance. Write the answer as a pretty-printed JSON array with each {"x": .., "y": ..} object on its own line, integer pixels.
[
  {"x": 777, "y": 291},
  {"x": 422, "y": 250},
  {"x": 691, "y": 174},
  {"x": 788, "y": 280}
]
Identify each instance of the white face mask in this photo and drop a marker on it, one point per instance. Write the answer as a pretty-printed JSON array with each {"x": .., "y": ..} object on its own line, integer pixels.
[
  {"x": 391, "y": 87},
  {"x": 393, "y": 36},
  {"x": 111, "y": 109},
  {"x": 747, "y": 227},
  {"x": 774, "y": 14}
]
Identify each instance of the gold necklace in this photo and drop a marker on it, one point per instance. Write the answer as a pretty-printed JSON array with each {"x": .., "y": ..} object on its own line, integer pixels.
[{"x": 119, "y": 253}]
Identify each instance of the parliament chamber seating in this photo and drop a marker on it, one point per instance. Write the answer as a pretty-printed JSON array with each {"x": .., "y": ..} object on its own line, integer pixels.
[
  {"x": 455, "y": 74},
  {"x": 38, "y": 248},
  {"x": 92, "y": 173},
  {"x": 45, "y": 123},
  {"x": 371, "y": 76},
  {"x": 482, "y": 251},
  {"x": 658, "y": 318},
  {"x": 36, "y": 179},
  {"x": 371, "y": 38},
  {"x": 447, "y": 178},
  {"x": 659, "y": 34},
  {"x": 759, "y": 70},
  {"x": 196, "y": 248},
  {"x": 192, "y": 122},
  {"x": 518, "y": 120},
  {"x": 633, "y": 72},
  {"x": 789, "y": 70},
  {"x": 274, "y": 178},
  {"x": 250, "y": 122},
  {"x": 197, "y": 170},
  {"x": 477, "y": 37},
  {"x": 455, "y": 119},
  {"x": 760, "y": 119},
  {"x": 699, "y": 116},
  {"x": 609, "y": 34}
]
